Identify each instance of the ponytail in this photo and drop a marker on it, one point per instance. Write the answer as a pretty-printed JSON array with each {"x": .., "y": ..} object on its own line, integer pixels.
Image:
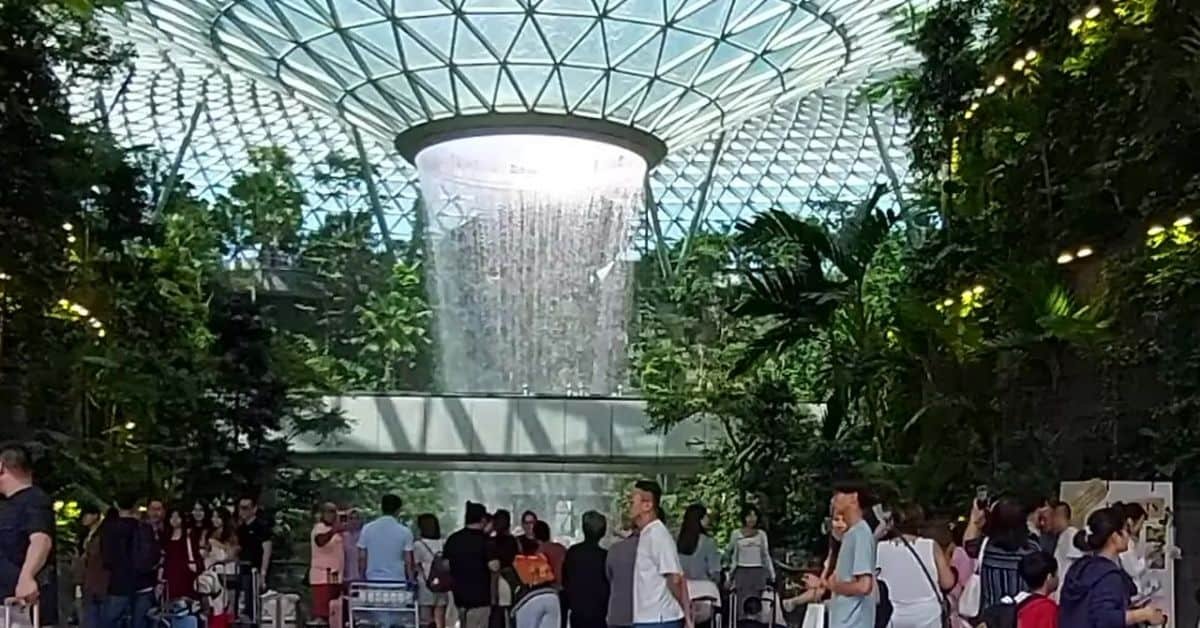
[{"x": 1101, "y": 525}]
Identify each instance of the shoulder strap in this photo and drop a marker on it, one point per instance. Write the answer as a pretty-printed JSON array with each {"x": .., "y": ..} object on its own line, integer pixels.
[
  {"x": 982, "y": 552},
  {"x": 937, "y": 591}
]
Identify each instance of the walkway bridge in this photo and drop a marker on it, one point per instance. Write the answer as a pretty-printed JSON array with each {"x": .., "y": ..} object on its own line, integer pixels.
[{"x": 508, "y": 434}]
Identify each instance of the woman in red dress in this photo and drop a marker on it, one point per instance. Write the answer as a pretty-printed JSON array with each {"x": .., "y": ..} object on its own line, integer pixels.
[{"x": 181, "y": 558}]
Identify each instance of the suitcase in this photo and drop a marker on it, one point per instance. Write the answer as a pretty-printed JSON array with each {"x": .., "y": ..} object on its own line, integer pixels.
[{"x": 15, "y": 610}]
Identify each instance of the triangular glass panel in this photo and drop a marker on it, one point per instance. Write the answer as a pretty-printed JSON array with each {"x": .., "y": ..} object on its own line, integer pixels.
[
  {"x": 565, "y": 7},
  {"x": 468, "y": 48},
  {"x": 507, "y": 97},
  {"x": 562, "y": 32},
  {"x": 496, "y": 30},
  {"x": 305, "y": 26},
  {"x": 585, "y": 89},
  {"x": 356, "y": 13},
  {"x": 416, "y": 55},
  {"x": 645, "y": 59},
  {"x": 530, "y": 79},
  {"x": 553, "y": 99},
  {"x": 706, "y": 16},
  {"x": 623, "y": 37},
  {"x": 482, "y": 77},
  {"x": 528, "y": 46},
  {"x": 436, "y": 32},
  {"x": 589, "y": 52}
]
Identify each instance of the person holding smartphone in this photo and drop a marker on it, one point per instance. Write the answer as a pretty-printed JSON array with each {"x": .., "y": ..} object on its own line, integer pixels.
[{"x": 1097, "y": 592}]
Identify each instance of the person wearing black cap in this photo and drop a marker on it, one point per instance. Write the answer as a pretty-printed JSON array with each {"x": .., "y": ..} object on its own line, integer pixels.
[{"x": 467, "y": 552}]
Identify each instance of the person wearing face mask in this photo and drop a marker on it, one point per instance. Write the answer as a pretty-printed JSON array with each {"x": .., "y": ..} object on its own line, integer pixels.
[{"x": 1097, "y": 592}]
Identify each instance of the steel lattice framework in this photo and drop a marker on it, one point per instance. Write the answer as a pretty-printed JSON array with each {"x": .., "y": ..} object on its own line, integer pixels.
[{"x": 770, "y": 89}]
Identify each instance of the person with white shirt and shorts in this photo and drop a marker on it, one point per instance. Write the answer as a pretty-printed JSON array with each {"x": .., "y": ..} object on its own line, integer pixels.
[{"x": 660, "y": 596}]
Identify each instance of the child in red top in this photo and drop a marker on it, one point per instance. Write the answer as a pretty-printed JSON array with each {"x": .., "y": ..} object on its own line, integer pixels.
[{"x": 1039, "y": 570}]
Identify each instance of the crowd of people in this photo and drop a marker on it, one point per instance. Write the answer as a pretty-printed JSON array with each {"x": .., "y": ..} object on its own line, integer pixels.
[{"x": 1008, "y": 565}]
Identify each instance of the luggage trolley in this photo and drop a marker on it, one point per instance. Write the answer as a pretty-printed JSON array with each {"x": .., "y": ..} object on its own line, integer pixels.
[{"x": 380, "y": 604}]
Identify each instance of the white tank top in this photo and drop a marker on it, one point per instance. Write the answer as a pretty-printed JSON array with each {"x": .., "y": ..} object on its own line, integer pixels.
[{"x": 907, "y": 583}]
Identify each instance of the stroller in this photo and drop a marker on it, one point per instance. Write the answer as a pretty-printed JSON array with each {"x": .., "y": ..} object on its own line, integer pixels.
[
  {"x": 763, "y": 611},
  {"x": 706, "y": 602}
]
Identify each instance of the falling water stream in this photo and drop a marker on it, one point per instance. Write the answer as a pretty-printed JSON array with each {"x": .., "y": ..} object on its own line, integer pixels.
[{"x": 530, "y": 281}]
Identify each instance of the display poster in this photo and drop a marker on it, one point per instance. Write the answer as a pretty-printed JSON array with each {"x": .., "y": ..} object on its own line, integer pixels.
[{"x": 1154, "y": 545}]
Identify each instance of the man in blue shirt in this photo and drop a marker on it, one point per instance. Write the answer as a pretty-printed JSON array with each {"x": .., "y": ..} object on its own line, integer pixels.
[
  {"x": 385, "y": 547},
  {"x": 853, "y": 579}
]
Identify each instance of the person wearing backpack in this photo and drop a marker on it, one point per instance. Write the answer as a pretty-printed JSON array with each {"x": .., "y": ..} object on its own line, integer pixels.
[
  {"x": 535, "y": 596},
  {"x": 433, "y": 576},
  {"x": 1034, "y": 608},
  {"x": 130, "y": 552}
]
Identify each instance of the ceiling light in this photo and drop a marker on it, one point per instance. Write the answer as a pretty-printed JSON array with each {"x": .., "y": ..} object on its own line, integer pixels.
[
  {"x": 1092, "y": 13},
  {"x": 1182, "y": 221},
  {"x": 1084, "y": 251},
  {"x": 1018, "y": 65},
  {"x": 1155, "y": 230},
  {"x": 1065, "y": 258}
]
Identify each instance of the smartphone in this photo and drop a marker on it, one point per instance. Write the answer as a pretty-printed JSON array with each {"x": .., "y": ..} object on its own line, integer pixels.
[{"x": 981, "y": 495}]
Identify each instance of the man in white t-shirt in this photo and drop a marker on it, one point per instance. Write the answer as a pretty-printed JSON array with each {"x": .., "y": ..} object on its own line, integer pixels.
[{"x": 660, "y": 597}]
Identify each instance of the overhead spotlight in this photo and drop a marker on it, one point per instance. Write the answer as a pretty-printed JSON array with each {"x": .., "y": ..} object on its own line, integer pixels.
[
  {"x": 1155, "y": 230},
  {"x": 1065, "y": 258},
  {"x": 1031, "y": 54},
  {"x": 1075, "y": 24},
  {"x": 1084, "y": 251},
  {"x": 1018, "y": 65},
  {"x": 1093, "y": 12},
  {"x": 1182, "y": 221}
]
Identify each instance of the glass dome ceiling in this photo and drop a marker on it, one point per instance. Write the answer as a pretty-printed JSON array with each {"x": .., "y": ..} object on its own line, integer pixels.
[{"x": 771, "y": 88}]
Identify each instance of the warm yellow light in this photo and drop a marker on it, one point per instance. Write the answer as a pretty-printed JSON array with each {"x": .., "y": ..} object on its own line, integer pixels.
[
  {"x": 1066, "y": 258},
  {"x": 1075, "y": 24},
  {"x": 1182, "y": 221},
  {"x": 975, "y": 106},
  {"x": 969, "y": 114},
  {"x": 1084, "y": 251},
  {"x": 1018, "y": 65},
  {"x": 130, "y": 425},
  {"x": 101, "y": 333},
  {"x": 68, "y": 226},
  {"x": 1155, "y": 230},
  {"x": 1093, "y": 12},
  {"x": 1000, "y": 80},
  {"x": 948, "y": 302},
  {"x": 977, "y": 289},
  {"x": 58, "y": 505},
  {"x": 1031, "y": 54},
  {"x": 79, "y": 309}
]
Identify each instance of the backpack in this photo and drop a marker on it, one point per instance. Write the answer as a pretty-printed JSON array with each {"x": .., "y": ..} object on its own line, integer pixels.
[
  {"x": 533, "y": 571},
  {"x": 439, "y": 579},
  {"x": 883, "y": 605},
  {"x": 144, "y": 552},
  {"x": 1004, "y": 614}
]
